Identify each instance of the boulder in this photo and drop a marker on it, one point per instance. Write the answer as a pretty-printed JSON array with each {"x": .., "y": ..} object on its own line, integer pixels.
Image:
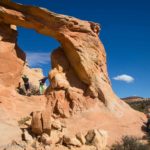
[
  {"x": 58, "y": 80},
  {"x": 86, "y": 147},
  {"x": 56, "y": 124},
  {"x": 47, "y": 147},
  {"x": 36, "y": 123},
  {"x": 90, "y": 136},
  {"x": 71, "y": 141},
  {"x": 101, "y": 139},
  {"x": 27, "y": 136},
  {"x": 60, "y": 105},
  {"x": 81, "y": 138},
  {"x": 41, "y": 121},
  {"x": 45, "y": 139},
  {"x": 46, "y": 121},
  {"x": 56, "y": 137},
  {"x": 14, "y": 147},
  {"x": 98, "y": 138},
  {"x": 29, "y": 147}
]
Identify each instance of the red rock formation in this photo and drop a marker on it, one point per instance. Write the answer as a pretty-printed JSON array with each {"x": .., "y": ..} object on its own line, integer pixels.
[
  {"x": 11, "y": 57},
  {"x": 79, "y": 41},
  {"x": 41, "y": 122}
]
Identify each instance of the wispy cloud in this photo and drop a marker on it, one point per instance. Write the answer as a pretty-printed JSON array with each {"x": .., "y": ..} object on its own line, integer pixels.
[
  {"x": 124, "y": 77},
  {"x": 35, "y": 59}
]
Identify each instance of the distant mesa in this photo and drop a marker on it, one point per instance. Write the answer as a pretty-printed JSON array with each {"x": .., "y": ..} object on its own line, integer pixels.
[{"x": 133, "y": 99}]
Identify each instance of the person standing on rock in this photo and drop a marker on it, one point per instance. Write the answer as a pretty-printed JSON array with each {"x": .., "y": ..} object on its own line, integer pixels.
[
  {"x": 26, "y": 84},
  {"x": 42, "y": 82}
]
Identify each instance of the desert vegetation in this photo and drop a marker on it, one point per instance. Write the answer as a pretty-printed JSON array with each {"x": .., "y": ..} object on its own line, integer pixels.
[
  {"x": 130, "y": 143},
  {"x": 142, "y": 104}
]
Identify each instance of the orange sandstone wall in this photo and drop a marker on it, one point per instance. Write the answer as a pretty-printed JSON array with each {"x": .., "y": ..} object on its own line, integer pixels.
[{"x": 11, "y": 57}]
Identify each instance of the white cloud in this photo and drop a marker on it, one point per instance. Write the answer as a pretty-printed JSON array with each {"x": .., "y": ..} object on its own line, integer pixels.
[
  {"x": 124, "y": 77},
  {"x": 35, "y": 59}
]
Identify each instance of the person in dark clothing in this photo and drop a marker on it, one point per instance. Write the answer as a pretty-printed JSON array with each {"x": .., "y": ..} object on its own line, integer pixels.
[
  {"x": 42, "y": 82},
  {"x": 20, "y": 90},
  {"x": 26, "y": 84}
]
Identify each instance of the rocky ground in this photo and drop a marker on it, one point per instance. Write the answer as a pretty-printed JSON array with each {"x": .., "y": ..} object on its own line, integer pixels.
[{"x": 16, "y": 121}]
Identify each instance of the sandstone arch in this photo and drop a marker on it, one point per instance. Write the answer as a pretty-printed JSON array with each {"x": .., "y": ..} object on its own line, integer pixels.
[
  {"x": 79, "y": 78},
  {"x": 83, "y": 57}
]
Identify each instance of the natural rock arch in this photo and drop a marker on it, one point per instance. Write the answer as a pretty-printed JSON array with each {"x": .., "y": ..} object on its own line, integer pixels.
[
  {"x": 81, "y": 52},
  {"x": 79, "y": 78}
]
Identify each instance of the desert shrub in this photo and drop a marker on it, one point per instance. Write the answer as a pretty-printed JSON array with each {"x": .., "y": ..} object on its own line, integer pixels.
[
  {"x": 142, "y": 106},
  {"x": 23, "y": 120},
  {"x": 129, "y": 143}
]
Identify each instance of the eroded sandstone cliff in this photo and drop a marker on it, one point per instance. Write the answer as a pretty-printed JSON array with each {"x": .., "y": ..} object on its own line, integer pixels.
[
  {"x": 80, "y": 44},
  {"x": 11, "y": 57}
]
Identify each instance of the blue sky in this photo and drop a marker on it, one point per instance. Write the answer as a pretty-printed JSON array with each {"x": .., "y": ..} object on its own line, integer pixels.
[{"x": 125, "y": 34}]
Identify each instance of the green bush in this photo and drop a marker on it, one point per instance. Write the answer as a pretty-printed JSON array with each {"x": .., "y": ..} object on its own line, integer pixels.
[{"x": 129, "y": 143}]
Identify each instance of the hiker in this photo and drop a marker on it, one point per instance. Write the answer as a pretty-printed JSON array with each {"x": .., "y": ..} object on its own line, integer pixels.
[
  {"x": 148, "y": 123},
  {"x": 42, "y": 82},
  {"x": 20, "y": 90},
  {"x": 26, "y": 84}
]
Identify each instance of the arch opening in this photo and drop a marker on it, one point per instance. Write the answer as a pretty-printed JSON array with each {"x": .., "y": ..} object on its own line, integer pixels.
[{"x": 38, "y": 49}]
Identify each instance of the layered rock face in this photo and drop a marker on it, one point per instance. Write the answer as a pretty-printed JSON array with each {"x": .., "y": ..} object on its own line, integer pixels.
[
  {"x": 11, "y": 57},
  {"x": 81, "y": 47},
  {"x": 67, "y": 92}
]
